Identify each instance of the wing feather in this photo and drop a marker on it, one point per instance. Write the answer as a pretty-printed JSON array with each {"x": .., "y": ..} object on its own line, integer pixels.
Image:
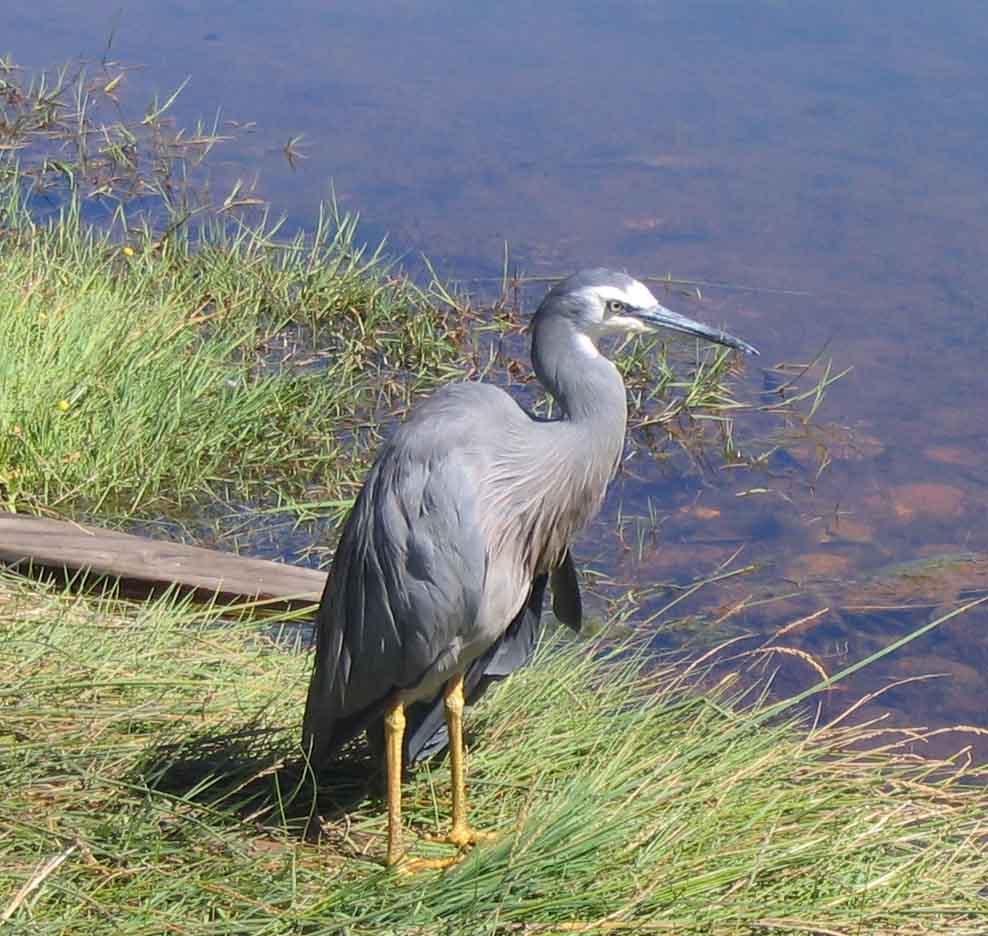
[{"x": 406, "y": 581}]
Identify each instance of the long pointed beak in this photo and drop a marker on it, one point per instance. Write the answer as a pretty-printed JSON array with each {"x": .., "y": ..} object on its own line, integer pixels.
[{"x": 662, "y": 317}]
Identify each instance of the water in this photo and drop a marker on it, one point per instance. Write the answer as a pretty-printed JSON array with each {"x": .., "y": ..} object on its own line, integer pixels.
[{"x": 831, "y": 157}]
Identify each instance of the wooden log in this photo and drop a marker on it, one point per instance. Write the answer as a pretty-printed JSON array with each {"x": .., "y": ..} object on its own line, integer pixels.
[{"x": 37, "y": 544}]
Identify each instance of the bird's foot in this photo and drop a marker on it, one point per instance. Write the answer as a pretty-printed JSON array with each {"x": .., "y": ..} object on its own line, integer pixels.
[
  {"x": 416, "y": 865},
  {"x": 462, "y": 836}
]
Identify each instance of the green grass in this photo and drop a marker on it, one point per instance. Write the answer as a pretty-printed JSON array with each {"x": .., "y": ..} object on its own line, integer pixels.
[
  {"x": 158, "y": 757},
  {"x": 154, "y": 373},
  {"x": 186, "y": 350}
]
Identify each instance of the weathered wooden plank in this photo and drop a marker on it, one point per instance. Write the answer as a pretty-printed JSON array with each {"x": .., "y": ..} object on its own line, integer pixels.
[{"x": 39, "y": 543}]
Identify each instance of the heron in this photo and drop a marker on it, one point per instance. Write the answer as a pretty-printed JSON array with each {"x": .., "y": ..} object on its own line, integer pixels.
[{"x": 467, "y": 513}]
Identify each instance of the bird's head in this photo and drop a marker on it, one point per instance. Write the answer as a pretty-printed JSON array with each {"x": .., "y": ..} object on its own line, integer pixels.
[{"x": 603, "y": 302}]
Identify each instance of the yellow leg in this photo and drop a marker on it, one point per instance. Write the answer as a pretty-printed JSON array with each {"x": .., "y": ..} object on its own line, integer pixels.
[
  {"x": 394, "y": 739},
  {"x": 460, "y": 834},
  {"x": 453, "y": 698}
]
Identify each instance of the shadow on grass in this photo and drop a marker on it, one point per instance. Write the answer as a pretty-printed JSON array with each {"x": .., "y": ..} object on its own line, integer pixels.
[{"x": 241, "y": 776}]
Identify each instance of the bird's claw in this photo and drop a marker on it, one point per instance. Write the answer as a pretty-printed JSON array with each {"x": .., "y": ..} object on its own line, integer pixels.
[
  {"x": 416, "y": 865},
  {"x": 462, "y": 837}
]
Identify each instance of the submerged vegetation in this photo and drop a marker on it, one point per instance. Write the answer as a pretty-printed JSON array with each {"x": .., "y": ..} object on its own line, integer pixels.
[{"x": 186, "y": 352}]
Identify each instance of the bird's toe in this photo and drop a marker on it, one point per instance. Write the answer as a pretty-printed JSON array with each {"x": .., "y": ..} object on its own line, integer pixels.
[{"x": 463, "y": 836}]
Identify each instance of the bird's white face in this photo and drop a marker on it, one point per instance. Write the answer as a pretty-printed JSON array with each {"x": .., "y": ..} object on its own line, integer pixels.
[
  {"x": 611, "y": 305},
  {"x": 602, "y": 302}
]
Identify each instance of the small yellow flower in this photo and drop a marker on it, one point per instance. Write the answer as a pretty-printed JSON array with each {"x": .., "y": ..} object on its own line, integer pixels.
[
  {"x": 128, "y": 251},
  {"x": 64, "y": 405}
]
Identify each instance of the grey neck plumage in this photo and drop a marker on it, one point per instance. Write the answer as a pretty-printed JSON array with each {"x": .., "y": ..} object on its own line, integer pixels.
[
  {"x": 575, "y": 456},
  {"x": 582, "y": 381}
]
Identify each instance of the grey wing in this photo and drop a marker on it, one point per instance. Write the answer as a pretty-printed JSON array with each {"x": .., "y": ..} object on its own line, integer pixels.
[
  {"x": 401, "y": 596},
  {"x": 426, "y": 724},
  {"x": 425, "y": 733}
]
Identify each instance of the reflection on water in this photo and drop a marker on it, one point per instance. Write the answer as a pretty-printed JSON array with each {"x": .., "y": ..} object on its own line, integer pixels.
[{"x": 831, "y": 159}]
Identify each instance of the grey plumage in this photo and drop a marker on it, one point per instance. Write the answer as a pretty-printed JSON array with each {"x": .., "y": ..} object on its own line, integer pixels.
[{"x": 468, "y": 510}]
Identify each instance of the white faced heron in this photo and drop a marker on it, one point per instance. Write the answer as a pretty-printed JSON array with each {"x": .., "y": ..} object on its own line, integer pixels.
[{"x": 436, "y": 586}]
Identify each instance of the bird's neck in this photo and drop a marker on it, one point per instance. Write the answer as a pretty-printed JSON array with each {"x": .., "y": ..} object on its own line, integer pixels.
[
  {"x": 589, "y": 439},
  {"x": 582, "y": 381},
  {"x": 579, "y": 452}
]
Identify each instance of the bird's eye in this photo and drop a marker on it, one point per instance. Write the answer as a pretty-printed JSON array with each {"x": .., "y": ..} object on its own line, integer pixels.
[{"x": 615, "y": 306}]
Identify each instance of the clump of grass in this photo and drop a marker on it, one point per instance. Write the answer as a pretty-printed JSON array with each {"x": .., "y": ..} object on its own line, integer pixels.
[
  {"x": 66, "y": 132},
  {"x": 154, "y": 784},
  {"x": 182, "y": 349},
  {"x": 154, "y": 372}
]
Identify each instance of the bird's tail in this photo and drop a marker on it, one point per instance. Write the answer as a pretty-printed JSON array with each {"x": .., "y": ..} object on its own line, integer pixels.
[{"x": 317, "y": 733}]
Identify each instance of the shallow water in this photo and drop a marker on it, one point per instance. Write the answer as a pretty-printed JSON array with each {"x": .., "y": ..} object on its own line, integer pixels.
[{"x": 830, "y": 159}]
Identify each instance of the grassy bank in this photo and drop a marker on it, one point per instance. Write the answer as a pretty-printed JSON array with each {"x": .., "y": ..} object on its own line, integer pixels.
[{"x": 153, "y": 785}]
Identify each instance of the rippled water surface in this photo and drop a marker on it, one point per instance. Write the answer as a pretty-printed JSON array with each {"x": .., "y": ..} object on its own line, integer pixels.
[{"x": 827, "y": 162}]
